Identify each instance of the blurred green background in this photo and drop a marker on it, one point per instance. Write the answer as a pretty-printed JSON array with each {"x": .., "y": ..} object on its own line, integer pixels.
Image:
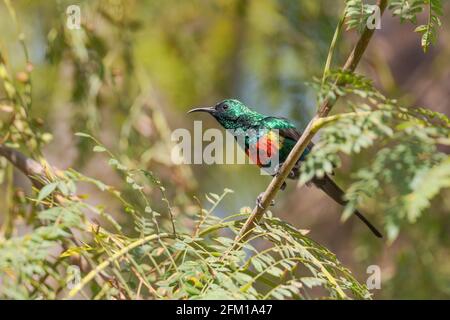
[{"x": 129, "y": 77}]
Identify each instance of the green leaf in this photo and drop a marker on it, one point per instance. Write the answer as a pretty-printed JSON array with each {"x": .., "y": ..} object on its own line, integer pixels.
[
  {"x": 99, "y": 149},
  {"x": 311, "y": 282},
  {"x": 47, "y": 190},
  {"x": 62, "y": 186},
  {"x": 82, "y": 134}
]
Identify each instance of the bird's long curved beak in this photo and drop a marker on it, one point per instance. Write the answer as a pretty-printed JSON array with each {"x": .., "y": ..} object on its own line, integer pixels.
[{"x": 202, "y": 109}]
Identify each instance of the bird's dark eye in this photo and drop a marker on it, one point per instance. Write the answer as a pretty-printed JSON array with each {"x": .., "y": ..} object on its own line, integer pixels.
[{"x": 224, "y": 106}]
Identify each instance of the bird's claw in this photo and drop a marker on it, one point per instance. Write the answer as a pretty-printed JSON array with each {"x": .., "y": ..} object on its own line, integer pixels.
[
  {"x": 293, "y": 174},
  {"x": 259, "y": 201},
  {"x": 278, "y": 169}
]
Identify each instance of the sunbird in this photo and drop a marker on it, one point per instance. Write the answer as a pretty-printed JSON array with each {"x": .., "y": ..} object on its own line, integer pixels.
[{"x": 272, "y": 134}]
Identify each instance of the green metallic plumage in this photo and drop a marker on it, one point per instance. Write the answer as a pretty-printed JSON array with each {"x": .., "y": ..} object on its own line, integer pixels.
[{"x": 233, "y": 114}]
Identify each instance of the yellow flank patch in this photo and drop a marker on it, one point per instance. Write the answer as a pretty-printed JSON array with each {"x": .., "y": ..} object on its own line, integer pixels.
[{"x": 275, "y": 139}]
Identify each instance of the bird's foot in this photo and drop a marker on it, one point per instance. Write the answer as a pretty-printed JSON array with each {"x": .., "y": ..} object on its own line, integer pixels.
[
  {"x": 277, "y": 173},
  {"x": 293, "y": 174},
  {"x": 259, "y": 201},
  {"x": 278, "y": 169}
]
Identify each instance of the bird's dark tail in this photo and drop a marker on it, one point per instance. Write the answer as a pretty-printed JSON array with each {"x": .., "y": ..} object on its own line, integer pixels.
[{"x": 336, "y": 193}]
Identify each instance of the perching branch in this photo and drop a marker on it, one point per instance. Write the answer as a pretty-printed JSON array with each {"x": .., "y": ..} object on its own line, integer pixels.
[
  {"x": 27, "y": 166},
  {"x": 305, "y": 139}
]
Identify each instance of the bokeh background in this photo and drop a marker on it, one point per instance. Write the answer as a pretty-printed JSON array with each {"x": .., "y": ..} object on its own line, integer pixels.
[{"x": 130, "y": 76}]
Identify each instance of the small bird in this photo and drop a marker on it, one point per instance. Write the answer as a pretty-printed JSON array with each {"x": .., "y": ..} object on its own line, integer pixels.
[{"x": 270, "y": 135}]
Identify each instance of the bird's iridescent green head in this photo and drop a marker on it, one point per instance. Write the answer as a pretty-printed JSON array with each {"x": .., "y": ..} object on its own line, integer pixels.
[{"x": 228, "y": 112}]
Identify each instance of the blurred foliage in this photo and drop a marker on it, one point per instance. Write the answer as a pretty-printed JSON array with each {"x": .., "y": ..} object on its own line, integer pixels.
[
  {"x": 408, "y": 11},
  {"x": 128, "y": 218},
  {"x": 358, "y": 13}
]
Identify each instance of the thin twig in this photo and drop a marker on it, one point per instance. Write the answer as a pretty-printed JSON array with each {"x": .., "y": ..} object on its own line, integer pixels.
[{"x": 337, "y": 32}]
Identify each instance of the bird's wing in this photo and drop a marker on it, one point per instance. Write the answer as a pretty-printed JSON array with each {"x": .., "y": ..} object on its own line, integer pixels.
[
  {"x": 284, "y": 126},
  {"x": 290, "y": 133},
  {"x": 286, "y": 129},
  {"x": 294, "y": 134}
]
